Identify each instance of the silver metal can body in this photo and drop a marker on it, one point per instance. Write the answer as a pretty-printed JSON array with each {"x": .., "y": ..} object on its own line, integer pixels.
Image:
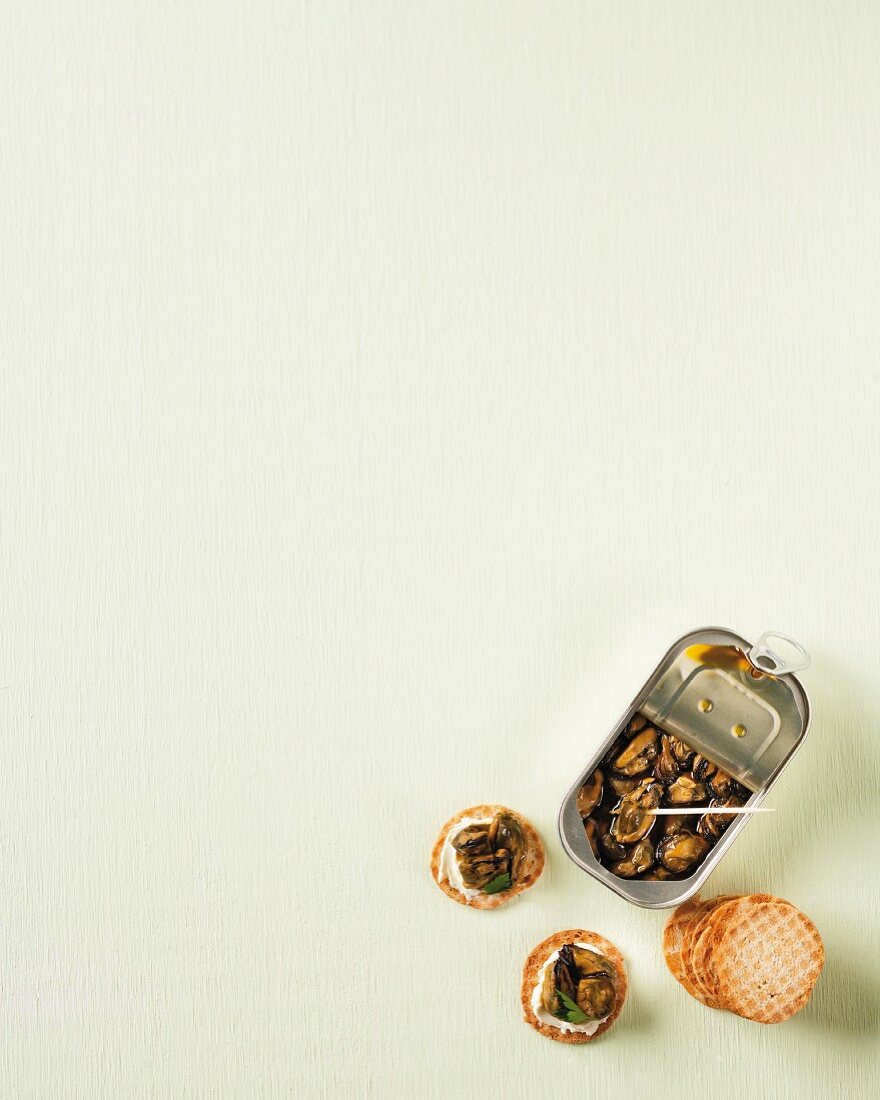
[{"x": 715, "y": 691}]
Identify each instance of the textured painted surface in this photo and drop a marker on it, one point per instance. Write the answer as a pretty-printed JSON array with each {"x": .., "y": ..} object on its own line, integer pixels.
[{"x": 383, "y": 387}]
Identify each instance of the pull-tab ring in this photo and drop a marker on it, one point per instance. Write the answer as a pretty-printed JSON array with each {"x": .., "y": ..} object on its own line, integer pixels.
[{"x": 769, "y": 657}]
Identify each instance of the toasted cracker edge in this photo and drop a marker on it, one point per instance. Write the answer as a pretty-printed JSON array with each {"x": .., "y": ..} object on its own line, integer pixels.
[
  {"x": 702, "y": 950},
  {"x": 539, "y": 956},
  {"x": 689, "y": 940},
  {"x": 533, "y": 861},
  {"x": 673, "y": 937}
]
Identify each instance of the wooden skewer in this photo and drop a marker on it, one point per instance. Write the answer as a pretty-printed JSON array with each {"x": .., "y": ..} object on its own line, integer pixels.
[{"x": 674, "y": 812}]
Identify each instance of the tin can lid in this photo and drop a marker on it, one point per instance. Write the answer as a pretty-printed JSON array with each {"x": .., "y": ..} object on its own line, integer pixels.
[{"x": 735, "y": 702}]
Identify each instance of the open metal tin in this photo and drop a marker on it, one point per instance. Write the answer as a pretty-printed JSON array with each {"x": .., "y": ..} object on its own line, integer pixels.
[{"x": 758, "y": 717}]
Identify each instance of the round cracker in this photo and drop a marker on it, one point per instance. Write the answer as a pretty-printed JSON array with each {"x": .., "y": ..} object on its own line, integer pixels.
[
  {"x": 702, "y": 954},
  {"x": 710, "y": 950},
  {"x": 769, "y": 961},
  {"x": 530, "y": 871},
  {"x": 532, "y": 969}
]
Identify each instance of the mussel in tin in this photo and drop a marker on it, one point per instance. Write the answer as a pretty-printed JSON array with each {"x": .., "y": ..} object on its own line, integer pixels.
[
  {"x": 710, "y": 825},
  {"x": 633, "y": 819},
  {"x": 666, "y": 767},
  {"x": 683, "y": 753},
  {"x": 621, "y": 785},
  {"x": 702, "y": 768},
  {"x": 685, "y": 791},
  {"x": 638, "y": 755},
  {"x": 673, "y": 823},
  {"x": 681, "y": 851},
  {"x": 639, "y": 860},
  {"x": 612, "y": 847},
  {"x": 590, "y": 794}
]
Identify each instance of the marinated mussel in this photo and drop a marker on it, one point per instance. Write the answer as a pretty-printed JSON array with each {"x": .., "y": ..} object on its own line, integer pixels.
[
  {"x": 591, "y": 963},
  {"x": 621, "y": 785},
  {"x": 638, "y": 754},
  {"x": 666, "y": 768},
  {"x": 479, "y": 871},
  {"x": 473, "y": 841},
  {"x": 719, "y": 782},
  {"x": 639, "y": 860},
  {"x": 683, "y": 753},
  {"x": 685, "y": 791},
  {"x": 681, "y": 851},
  {"x": 611, "y": 846},
  {"x": 633, "y": 819},
  {"x": 710, "y": 825},
  {"x": 579, "y": 985},
  {"x": 505, "y": 833},
  {"x": 490, "y": 854},
  {"x": 590, "y": 794},
  {"x": 595, "y": 996}
]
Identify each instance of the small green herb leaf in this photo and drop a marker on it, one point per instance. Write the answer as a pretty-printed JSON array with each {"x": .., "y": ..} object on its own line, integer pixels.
[
  {"x": 573, "y": 1014},
  {"x": 499, "y": 883}
]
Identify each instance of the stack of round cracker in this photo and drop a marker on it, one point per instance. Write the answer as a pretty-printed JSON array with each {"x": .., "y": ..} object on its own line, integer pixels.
[{"x": 755, "y": 955}]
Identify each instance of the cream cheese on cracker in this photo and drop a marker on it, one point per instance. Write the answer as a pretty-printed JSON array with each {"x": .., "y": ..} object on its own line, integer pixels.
[
  {"x": 448, "y": 868},
  {"x": 588, "y": 1028}
]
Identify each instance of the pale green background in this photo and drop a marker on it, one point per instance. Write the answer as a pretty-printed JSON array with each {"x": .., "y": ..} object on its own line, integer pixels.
[{"x": 384, "y": 387}]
